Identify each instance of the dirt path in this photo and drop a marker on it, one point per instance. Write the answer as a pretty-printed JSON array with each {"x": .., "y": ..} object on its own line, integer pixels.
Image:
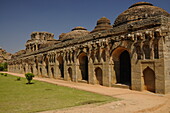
[{"x": 132, "y": 101}]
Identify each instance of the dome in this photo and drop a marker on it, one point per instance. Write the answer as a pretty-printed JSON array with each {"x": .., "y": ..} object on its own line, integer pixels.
[
  {"x": 139, "y": 11},
  {"x": 102, "y": 24},
  {"x": 74, "y": 33}
]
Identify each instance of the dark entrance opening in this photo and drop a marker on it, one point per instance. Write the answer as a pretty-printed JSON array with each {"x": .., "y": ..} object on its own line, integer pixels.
[
  {"x": 24, "y": 70},
  {"x": 41, "y": 71},
  {"x": 70, "y": 74},
  {"x": 31, "y": 69},
  {"x": 52, "y": 72},
  {"x": 36, "y": 62},
  {"x": 84, "y": 66},
  {"x": 46, "y": 63},
  {"x": 98, "y": 73},
  {"x": 125, "y": 68},
  {"x": 61, "y": 66}
]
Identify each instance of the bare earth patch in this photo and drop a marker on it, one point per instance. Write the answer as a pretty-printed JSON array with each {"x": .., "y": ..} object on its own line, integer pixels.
[{"x": 132, "y": 101}]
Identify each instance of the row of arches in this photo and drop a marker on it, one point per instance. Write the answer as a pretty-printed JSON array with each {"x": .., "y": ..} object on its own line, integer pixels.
[{"x": 122, "y": 67}]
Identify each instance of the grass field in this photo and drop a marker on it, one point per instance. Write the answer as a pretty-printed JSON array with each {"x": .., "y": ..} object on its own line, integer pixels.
[{"x": 19, "y": 97}]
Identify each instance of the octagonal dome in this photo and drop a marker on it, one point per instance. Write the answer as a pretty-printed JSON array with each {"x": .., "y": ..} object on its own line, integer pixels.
[
  {"x": 74, "y": 33},
  {"x": 138, "y": 12}
]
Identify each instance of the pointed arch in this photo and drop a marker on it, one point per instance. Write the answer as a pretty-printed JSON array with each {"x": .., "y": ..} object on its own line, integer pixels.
[
  {"x": 32, "y": 69},
  {"x": 52, "y": 72},
  {"x": 47, "y": 65},
  {"x": 61, "y": 66},
  {"x": 149, "y": 79},
  {"x": 122, "y": 65},
  {"x": 99, "y": 75},
  {"x": 70, "y": 73},
  {"x": 40, "y": 71},
  {"x": 83, "y": 65}
]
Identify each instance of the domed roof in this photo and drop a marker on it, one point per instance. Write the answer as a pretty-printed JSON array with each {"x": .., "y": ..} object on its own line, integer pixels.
[
  {"x": 139, "y": 11},
  {"x": 102, "y": 24},
  {"x": 74, "y": 33}
]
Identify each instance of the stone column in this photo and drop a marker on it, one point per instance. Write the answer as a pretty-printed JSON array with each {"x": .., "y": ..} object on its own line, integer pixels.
[{"x": 136, "y": 74}]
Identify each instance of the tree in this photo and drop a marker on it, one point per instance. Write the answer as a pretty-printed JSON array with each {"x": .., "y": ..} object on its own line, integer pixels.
[
  {"x": 3, "y": 66},
  {"x": 29, "y": 77}
]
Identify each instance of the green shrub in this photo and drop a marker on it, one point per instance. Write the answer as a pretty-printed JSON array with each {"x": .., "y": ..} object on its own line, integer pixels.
[
  {"x": 29, "y": 77},
  {"x": 5, "y": 74},
  {"x": 18, "y": 78}
]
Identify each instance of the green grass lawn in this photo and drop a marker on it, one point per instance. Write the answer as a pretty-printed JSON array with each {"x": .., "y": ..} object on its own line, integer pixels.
[{"x": 19, "y": 97}]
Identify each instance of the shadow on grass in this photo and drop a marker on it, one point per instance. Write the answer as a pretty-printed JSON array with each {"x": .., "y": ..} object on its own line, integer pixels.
[
  {"x": 29, "y": 83},
  {"x": 90, "y": 102}
]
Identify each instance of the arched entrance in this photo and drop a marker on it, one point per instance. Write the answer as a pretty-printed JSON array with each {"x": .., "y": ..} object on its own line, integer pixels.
[
  {"x": 70, "y": 74},
  {"x": 52, "y": 72},
  {"x": 41, "y": 71},
  {"x": 149, "y": 79},
  {"x": 61, "y": 66},
  {"x": 31, "y": 69},
  {"x": 36, "y": 63},
  {"x": 24, "y": 70},
  {"x": 125, "y": 68},
  {"x": 98, "y": 74},
  {"x": 46, "y": 66},
  {"x": 83, "y": 60}
]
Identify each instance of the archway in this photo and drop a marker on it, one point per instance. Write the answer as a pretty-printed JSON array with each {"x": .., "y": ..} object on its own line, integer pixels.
[
  {"x": 125, "y": 68},
  {"x": 98, "y": 73},
  {"x": 24, "y": 70},
  {"x": 83, "y": 60},
  {"x": 61, "y": 66},
  {"x": 149, "y": 79},
  {"x": 70, "y": 73},
  {"x": 46, "y": 65},
  {"x": 31, "y": 69},
  {"x": 41, "y": 71},
  {"x": 52, "y": 72},
  {"x": 36, "y": 63}
]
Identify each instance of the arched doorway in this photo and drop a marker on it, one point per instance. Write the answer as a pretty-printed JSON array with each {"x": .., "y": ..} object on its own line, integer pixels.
[
  {"x": 46, "y": 66},
  {"x": 36, "y": 63},
  {"x": 61, "y": 66},
  {"x": 24, "y": 70},
  {"x": 52, "y": 72},
  {"x": 41, "y": 71},
  {"x": 125, "y": 68},
  {"x": 31, "y": 69},
  {"x": 70, "y": 73},
  {"x": 83, "y": 60},
  {"x": 98, "y": 73},
  {"x": 149, "y": 79}
]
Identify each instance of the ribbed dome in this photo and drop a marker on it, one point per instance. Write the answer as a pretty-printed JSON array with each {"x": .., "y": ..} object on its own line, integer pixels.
[
  {"x": 102, "y": 24},
  {"x": 139, "y": 11},
  {"x": 74, "y": 33}
]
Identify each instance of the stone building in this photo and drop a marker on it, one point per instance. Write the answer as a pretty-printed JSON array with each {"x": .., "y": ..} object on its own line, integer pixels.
[
  {"x": 134, "y": 52},
  {"x": 4, "y": 56}
]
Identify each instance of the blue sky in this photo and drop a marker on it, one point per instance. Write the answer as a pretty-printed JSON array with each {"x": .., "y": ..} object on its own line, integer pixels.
[{"x": 18, "y": 18}]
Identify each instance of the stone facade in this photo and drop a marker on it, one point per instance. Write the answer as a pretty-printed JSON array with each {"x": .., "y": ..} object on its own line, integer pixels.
[{"x": 133, "y": 53}]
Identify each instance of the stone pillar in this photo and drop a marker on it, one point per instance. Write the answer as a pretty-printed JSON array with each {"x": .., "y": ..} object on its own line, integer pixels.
[
  {"x": 74, "y": 69},
  {"x": 136, "y": 74},
  {"x": 106, "y": 74},
  {"x": 65, "y": 70},
  {"x": 91, "y": 71}
]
